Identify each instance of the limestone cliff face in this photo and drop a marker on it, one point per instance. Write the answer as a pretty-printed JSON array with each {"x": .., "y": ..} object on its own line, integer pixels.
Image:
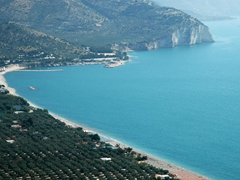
[
  {"x": 194, "y": 35},
  {"x": 180, "y": 37}
]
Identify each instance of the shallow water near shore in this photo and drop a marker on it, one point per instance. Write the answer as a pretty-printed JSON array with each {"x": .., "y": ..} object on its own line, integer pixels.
[{"x": 180, "y": 104}]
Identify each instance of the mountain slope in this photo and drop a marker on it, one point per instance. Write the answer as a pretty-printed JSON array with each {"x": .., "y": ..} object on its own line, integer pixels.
[
  {"x": 139, "y": 24},
  {"x": 205, "y": 8},
  {"x": 16, "y": 40}
]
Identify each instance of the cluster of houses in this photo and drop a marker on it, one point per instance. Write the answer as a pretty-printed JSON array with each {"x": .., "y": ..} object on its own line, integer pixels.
[{"x": 16, "y": 126}]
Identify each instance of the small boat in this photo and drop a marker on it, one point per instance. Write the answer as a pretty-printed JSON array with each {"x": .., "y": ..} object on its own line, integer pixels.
[{"x": 32, "y": 88}]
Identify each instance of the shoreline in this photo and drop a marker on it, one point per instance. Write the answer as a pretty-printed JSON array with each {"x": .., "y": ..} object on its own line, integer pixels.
[
  {"x": 180, "y": 172},
  {"x": 3, "y": 80}
]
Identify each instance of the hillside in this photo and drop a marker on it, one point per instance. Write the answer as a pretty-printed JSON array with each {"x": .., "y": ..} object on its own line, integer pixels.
[
  {"x": 205, "y": 9},
  {"x": 18, "y": 41},
  {"x": 36, "y": 49},
  {"x": 136, "y": 24}
]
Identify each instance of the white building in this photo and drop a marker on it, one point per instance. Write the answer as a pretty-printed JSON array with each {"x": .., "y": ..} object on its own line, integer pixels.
[
  {"x": 2, "y": 69},
  {"x": 106, "y": 159},
  {"x": 157, "y": 176},
  {"x": 10, "y": 141}
]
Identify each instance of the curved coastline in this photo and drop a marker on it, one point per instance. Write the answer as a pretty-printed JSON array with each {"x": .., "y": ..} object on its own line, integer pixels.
[{"x": 180, "y": 172}]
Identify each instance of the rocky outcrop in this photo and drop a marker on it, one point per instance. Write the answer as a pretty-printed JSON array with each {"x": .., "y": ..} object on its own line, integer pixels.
[
  {"x": 194, "y": 35},
  {"x": 180, "y": 37}
]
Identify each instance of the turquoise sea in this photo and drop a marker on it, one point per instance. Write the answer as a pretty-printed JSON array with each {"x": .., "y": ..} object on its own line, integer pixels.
[{"x": 180, "y": 104}]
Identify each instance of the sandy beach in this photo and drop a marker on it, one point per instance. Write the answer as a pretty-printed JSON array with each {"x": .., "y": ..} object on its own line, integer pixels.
[
  {"x": 181, "y": 173},
  {"x": 2, "y": 79}
]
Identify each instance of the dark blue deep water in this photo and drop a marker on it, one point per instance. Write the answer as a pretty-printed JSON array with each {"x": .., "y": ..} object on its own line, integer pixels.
[{"x": 180, "y": 104}]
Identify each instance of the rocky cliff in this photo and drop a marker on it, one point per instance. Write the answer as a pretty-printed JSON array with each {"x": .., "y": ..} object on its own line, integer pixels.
[
  {"x": 195, "y": 35},
  {"x": 182, "y": 36}
]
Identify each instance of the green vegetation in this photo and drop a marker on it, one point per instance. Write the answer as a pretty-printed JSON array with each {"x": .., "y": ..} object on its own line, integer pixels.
[
  {"x": 21, "y": 45},
  {"x": 69, "y": 31},
  {"x": 3, "y": 90},
  {"x": 34, "y": 145},
  {"x": 99, "y": 22}
]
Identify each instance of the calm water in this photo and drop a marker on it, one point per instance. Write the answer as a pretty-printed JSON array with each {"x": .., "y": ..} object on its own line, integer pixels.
[{"x": 180, "y": 104}]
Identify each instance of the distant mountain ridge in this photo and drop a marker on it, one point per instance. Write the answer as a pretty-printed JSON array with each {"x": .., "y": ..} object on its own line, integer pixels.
[
  {"x": 205, "y": 9},
  {"x": 139, "y": 25}
]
